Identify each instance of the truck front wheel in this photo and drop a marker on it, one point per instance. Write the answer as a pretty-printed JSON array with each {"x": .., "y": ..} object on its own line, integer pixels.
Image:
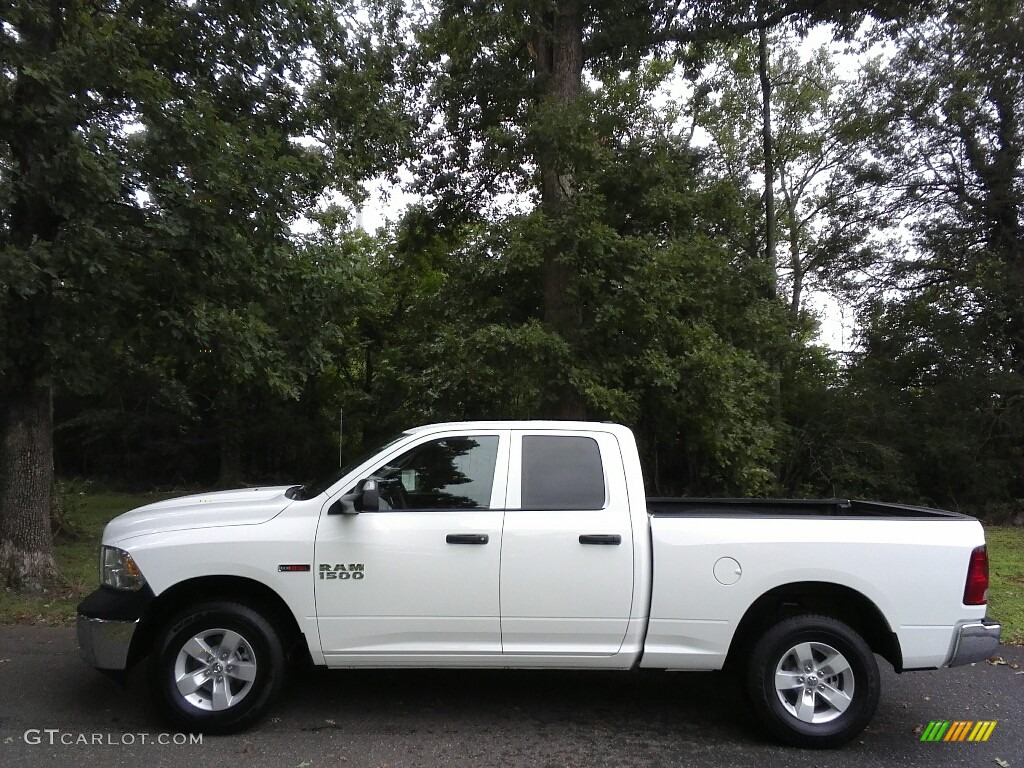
[
  {"x": 217, "y": 667},
  {"x": 813, "y": 682}
]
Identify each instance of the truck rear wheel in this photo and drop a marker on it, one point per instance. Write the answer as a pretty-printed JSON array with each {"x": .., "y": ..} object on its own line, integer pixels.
[
  {"x": 813, "y": 682},
  {"x": 217, "y": 667}
]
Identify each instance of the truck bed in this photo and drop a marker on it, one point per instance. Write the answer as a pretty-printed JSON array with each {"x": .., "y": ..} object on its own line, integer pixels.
[{"x": 843, "y": 508}]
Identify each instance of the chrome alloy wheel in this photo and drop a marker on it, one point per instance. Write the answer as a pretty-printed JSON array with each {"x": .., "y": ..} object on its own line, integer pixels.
[
  {"x": 814, "y": 682},
  {"x": 215, "y": 670}
]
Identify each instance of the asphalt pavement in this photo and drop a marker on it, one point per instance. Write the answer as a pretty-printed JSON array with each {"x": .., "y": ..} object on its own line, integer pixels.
[{"x": 56, "y": 711}]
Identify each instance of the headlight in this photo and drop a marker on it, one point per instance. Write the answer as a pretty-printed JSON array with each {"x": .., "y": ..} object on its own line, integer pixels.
[{"x": 118, "y": 570}]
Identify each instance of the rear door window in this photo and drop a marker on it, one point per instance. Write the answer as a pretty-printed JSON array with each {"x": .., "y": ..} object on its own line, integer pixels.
[{"x": 562, "y": 472}]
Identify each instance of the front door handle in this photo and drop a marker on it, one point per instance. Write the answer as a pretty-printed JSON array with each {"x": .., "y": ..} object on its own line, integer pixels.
[
  {"x": 600, "y": 538},
  {"x": 467, "y": 538}
]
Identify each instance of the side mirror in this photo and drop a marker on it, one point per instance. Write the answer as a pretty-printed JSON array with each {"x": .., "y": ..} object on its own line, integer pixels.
[{"x": 365, "y": 498}]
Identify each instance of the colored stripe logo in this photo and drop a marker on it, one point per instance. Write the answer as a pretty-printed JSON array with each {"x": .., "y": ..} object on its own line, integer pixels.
[{"x": 958, "y": 730}]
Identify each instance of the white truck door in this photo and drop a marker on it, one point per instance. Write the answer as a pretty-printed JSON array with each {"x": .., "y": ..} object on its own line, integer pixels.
[
  {"x": 418, "y": 577},
  {"x": 567, "y": 548}
]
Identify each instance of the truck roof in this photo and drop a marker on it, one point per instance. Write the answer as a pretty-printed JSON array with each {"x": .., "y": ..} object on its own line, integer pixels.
[{"x": 601, "y": 426}]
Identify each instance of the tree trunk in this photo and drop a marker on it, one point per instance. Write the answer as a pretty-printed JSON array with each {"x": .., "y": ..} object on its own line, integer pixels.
[
  {"x": 230, "y": 459},
  {"x": 768, "y": 146},
  {"x": 26, "y": 414},
  {"x": 767, "y": 143},
  {"x": 1003, "y": 206},
  {"x": 230, "y": 475},
  {"x": 558, "y": 47},
  {"x": 798, "y": 282},
  {"x": 796, "y": 262},
  {"x": 26, "y": 479}
]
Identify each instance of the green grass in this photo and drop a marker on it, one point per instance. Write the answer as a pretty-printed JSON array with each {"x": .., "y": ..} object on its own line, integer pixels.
[
  {"x": 77, "y": 560},
  {"x": 89, "y": 512},
  {"x": 1006, "y": 585}
]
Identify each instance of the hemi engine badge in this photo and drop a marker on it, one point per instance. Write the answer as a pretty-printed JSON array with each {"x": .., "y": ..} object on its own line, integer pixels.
[{"x": 290, "y": 568}]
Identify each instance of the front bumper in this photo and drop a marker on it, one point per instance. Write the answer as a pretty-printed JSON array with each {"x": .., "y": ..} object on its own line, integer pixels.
[
  {"x": 107, "y": 621},
  {"x": 104, "y": 644},
  {"x": 975, "y": 641}
]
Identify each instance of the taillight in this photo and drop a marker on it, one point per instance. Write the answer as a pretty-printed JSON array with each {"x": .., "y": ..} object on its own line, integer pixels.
[{"x": 976, "y": 588}]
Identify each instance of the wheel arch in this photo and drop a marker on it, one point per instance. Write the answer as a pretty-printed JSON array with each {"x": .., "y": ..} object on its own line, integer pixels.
[
  {"x": 824, "y": 598},
  {"x": 240, "y": 589}
]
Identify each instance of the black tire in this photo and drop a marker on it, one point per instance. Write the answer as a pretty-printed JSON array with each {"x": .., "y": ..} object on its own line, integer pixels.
[
  {"x": 813, "y": 709},
  {"x": 243, "y": 676}
]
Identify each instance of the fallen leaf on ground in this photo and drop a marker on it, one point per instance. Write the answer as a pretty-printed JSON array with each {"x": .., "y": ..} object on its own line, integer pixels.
[
  {"x": 996, "y": 661},
  {"x": 1002, "y": 763}
]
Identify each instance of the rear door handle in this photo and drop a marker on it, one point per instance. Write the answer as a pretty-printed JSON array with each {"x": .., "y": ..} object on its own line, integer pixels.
[
  {"x": 600, "y": 538},
  {"x": 467, "y": 538}
]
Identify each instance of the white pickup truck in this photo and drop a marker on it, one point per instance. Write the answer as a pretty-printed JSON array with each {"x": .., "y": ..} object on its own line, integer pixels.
[{"x": 533, "y": 544}]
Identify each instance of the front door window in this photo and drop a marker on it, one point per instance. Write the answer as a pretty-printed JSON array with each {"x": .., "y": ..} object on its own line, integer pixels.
[{"x": 450, "y": 473}]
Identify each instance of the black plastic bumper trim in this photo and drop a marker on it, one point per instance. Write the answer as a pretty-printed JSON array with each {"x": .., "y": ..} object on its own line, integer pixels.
[{"x": 116, "y": 605}]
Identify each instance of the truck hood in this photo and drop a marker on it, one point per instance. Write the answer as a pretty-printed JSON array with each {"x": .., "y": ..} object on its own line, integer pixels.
[{"x": 245, "y": 506}]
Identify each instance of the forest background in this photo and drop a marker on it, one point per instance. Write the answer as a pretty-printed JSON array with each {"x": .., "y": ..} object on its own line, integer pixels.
[{"x": 620, "y": 211}]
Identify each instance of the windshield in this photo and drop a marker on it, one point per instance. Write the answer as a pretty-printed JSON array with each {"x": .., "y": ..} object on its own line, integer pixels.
[{"x": 310, "y": 490}]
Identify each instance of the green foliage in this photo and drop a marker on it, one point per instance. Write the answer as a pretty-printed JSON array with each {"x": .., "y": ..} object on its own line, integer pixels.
[
  {"x": 1006, "y": 591},
  {"x": 943, "y": 361},
  {"x": 819, "y": 135},
  {"x": 672, "y": 321},
  {"x": 158, "y": 157},
  {"x": 582, "y": 231},
  {"x": 942, "y": 401},
  {"x": 64, "y": 177},
  {"x": 177, "y": 256}
]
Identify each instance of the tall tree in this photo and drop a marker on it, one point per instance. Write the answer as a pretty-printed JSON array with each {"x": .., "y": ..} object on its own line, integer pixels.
[
  {"x": 64, "y": 97},
  {"x": 950, "y": 150},
  {"x": 674, "y": 318},
  {"x": 153, "y": 155},
  {"x": 510, "y": 84},
  {"x": 952, "y": 99},
  {"x": 273, "y": 107},
  {"x": 818, "y": 139}
]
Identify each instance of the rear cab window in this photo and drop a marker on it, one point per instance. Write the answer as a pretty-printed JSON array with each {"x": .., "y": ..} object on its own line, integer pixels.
[{"x": 562, "y": 472}]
